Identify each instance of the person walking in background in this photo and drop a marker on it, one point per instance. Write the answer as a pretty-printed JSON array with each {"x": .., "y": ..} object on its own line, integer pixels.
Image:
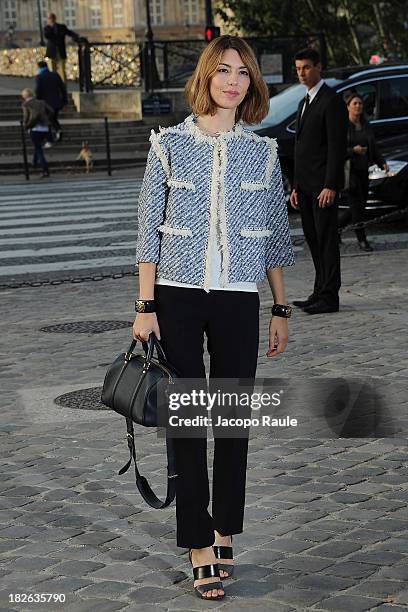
[
  {"x": 37, "y": 117},
  {"x": 51, "y": 88},
  {"x": 362, "y": 151},
  {"x": 320, "y": 150},
  {"x": 56, "y": 52}
]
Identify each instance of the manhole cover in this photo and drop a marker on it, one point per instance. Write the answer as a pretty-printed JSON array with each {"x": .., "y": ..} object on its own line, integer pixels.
[
  {"x": 86, "y": 327},
  {"x": 83, "y": 399}
]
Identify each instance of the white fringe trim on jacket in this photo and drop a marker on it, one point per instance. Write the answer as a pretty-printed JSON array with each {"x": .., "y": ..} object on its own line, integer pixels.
[
  {"x": 154, "y": 139},
  {"x": 253, "y": 186},
  {"x": 256, "y": 233},
  {"x": 194, "y": 130},
  {"x": 181, "y": 184},
  {"x": 213, "y": 218},
  {"x": 273, "y": 154},
  {"x": 222, "y": 220},
  {"x": 175, "y": 231}
]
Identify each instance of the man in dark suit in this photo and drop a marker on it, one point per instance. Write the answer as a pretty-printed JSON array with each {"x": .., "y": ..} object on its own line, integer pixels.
[
  {"x": 56, "y": 52},
  {"x": 50, "y": 87},
  {"x": 320, "y": 149}
]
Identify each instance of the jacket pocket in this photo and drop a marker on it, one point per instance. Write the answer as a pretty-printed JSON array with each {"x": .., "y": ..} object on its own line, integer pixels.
[
  {"x": 253, "y": 249},
  {"x": 177, "y": 255},
  {"x": 254, "y": 200},
  {"x": 180, "y": 202}
]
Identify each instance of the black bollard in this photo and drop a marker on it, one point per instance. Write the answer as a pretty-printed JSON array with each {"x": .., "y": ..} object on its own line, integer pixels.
[
  {"x": 23, "y": 140},
  {"x": 108, "y": 151}
]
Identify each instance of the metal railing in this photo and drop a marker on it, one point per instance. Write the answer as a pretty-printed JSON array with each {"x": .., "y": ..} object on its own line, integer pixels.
[
  {"x": 170, "y": 63},
  {"x": 109, "y": 65},
  {"x": 107, "y": 162}
]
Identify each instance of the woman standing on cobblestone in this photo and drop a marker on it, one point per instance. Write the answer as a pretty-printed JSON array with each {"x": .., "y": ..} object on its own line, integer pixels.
[
  {"x": 213, "y": 222},
  {"x": 362, "y": 151}
]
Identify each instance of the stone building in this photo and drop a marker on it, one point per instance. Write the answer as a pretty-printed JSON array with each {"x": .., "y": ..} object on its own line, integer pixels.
[{"x": 102, "y": 20}]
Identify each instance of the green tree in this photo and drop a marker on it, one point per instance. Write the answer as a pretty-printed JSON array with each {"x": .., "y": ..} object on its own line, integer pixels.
[{"x": 353, "y": 29}]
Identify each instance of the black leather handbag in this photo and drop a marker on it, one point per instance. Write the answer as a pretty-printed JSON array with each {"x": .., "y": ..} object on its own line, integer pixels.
[{"x": 132, "y": 386}]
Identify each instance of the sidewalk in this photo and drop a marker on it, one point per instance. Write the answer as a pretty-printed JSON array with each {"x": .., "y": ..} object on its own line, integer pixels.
[
  {"x": 135, "y": 172},
  {"x": 326, "y": 525}
]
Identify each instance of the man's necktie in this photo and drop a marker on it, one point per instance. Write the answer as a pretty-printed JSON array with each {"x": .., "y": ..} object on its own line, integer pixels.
[{"x": 305, "y": 106}]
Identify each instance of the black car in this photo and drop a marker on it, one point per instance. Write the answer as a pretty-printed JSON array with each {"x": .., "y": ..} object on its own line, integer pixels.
[
  {"x": 384, "y": 90},
  {"x": 388, "y": 192}
]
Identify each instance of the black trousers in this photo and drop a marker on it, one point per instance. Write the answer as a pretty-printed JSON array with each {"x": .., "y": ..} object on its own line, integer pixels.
[
  {"x": 38, "y": 139},
  {"x": 357, "y": 195},
  {"x": 230, "y": 321},
  {"x": 55, "y": 121},
  {"x": 320, "y": 229}
]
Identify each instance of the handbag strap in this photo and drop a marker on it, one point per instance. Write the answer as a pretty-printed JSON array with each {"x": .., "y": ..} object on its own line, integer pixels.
[{"x": 141, "y": 482}]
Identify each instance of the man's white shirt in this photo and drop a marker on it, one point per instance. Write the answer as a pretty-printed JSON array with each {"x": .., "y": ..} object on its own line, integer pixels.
[{"x": 312, "y": 94}]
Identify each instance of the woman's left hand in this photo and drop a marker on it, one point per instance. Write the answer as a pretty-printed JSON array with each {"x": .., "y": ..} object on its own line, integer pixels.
[
  {"x": 386, "y": 167},
  {"x": 278, "y": 336}
]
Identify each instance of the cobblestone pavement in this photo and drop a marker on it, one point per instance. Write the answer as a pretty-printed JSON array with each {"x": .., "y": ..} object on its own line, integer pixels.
[{"x": 326, "y": 521}]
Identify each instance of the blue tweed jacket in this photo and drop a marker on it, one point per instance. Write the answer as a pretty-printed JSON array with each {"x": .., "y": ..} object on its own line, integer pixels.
[{"x": 194, "y": 182}]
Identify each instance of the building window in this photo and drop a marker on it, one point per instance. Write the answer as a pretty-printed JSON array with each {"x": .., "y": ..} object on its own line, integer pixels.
[
  {"x": 96, "y": 14},
  {"x": 117, "y": 13},
  {"x": 45, "y": 9},
  {"x": 156, "y": 12},
  {"x": 69, "y": 13},
  {"x": 191, "y": 15},
  {"x": 10, "y": 12}
]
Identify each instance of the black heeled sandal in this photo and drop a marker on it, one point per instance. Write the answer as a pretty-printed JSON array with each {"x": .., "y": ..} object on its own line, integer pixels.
[
  {"x": 224, "y": 552},
  {"x": 206, "y": 571}
]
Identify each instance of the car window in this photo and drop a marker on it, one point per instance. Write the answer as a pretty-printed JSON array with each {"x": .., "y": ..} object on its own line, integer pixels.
[
  {"x": 369, "y": 94},
  {"x": 285, "y": 104},
  {"x": 394, "y": 98}
]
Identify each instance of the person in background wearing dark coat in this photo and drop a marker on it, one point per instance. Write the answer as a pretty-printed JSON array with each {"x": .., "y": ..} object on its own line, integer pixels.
[
  {"x": 50, "y": 87},
  {"x": 362, "y": 151},
  {"x": 37, "y": 116},
  {"x": 320, "y": 150},
  {"x": 56, "y": 52}
]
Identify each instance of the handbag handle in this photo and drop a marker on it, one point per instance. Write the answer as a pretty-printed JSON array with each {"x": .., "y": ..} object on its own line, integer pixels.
[
  {"x": 152, "y": 344},
  {"x": 148, "y": 348}
]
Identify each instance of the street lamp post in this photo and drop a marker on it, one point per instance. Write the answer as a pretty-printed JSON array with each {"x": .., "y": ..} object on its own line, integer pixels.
[
  {"x": 208, "y": 13},
  {"x": 40, "y": 23},
  {"x": 151, "y": 74}
]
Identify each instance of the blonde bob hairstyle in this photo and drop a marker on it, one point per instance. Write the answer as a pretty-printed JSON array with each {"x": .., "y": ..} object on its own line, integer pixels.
[{"x": 255, "y": 105}]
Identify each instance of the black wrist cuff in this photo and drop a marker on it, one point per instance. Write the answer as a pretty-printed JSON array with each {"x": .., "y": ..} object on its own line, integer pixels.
[
  {"x": 145, "y": 306},
  {"x": 281, "y": 310}
]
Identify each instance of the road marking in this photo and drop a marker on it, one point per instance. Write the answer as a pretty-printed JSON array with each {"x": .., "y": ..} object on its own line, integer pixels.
[{"x": 56, "y": 227}]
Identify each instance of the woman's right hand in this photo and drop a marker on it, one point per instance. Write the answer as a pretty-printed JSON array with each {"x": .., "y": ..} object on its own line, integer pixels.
[{"x": 145, "y": 323}]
